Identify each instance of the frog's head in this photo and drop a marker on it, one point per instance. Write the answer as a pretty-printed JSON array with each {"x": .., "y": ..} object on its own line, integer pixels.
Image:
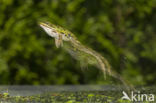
[{"x": 56, "y": 31}]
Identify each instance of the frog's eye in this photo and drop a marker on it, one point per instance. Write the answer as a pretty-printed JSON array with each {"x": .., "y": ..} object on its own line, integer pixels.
[{"x": 69, "y": 35}]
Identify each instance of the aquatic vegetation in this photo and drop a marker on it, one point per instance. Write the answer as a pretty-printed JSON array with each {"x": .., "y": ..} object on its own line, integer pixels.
[
  {"x": 70, "y": 97},
  {"x": 14, "y": 95},
  {"x": 66, "y": 97}
]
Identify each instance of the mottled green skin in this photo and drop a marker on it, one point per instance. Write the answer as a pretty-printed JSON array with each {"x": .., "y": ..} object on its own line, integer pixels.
[{"x": 59, "y": 30}]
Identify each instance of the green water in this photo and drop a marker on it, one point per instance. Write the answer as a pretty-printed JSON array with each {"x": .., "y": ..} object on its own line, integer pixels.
[{"x": 68, "y": 94}]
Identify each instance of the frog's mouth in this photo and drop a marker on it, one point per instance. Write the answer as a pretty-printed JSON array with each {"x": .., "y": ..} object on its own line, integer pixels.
[
  {"x": 49, "y": 30},
  {"x": 43, "y": 25}
]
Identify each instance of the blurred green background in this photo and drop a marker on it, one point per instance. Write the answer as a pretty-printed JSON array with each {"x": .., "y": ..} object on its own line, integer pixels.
[{"x": 124, "y": 31}]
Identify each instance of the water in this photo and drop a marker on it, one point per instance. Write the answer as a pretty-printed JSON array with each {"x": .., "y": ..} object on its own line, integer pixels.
[{"x": 69, "y": 94}]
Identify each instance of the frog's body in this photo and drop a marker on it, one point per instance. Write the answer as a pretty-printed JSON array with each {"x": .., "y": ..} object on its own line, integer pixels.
[
  {"x": 80, "y": 52},
  {"x": 61, "y": 35}
]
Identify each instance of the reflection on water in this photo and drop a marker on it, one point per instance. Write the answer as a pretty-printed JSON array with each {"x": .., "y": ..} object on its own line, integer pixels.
[{"x": 33, "y": 90}]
